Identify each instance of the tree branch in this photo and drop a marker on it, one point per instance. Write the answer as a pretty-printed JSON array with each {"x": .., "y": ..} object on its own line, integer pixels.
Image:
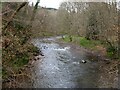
[{"x": 13, "y": 15}]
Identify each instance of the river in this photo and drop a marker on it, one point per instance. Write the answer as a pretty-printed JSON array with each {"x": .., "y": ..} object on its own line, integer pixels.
[{"x": 62, "y": 66}]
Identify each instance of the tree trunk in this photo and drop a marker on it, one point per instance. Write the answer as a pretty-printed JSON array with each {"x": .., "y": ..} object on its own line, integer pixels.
[
  {"x": 29, "y": 26},
  {"x": 34, "y": 12},
  {"x": 118, "y": 33}
]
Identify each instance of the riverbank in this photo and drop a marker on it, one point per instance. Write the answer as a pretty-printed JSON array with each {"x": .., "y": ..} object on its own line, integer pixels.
[
  {"x": 62, "y": 62},
  {"x": 97, "y": 46},
  {"x": 108, "y": 77},
  {"x": 17, "y": 73},
  {"x": 23, "y": 77}
]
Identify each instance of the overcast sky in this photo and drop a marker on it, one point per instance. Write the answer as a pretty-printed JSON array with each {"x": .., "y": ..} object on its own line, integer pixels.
[
  {"x": 48, "y": 3},
  {"x": 54, "y": 3}
]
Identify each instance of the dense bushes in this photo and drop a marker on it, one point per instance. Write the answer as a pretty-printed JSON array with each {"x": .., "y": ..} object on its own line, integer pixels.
[
  {"x": 17, "y": 49},
  {"x": 16, "y": 52}
]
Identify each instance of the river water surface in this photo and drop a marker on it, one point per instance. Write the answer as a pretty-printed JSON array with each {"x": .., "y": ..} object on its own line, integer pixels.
[{"x": 62, "y": 67}]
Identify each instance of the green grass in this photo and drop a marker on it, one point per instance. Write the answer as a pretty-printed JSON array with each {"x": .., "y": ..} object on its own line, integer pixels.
[
  {"x": 66, "y": 39},
  {"x": 91, "y": 44},
  {"x": 82, "y": 41},
  {"x": 88, "y": 43}
]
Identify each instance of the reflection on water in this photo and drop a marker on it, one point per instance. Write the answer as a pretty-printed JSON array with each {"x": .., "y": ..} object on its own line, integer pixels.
[{"x": 61, "y": 67}]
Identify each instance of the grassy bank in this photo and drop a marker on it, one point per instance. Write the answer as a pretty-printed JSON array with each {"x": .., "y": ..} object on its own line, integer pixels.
[
  {"x": 83, "y": 41},
  {"x": 94, "y": 45}
]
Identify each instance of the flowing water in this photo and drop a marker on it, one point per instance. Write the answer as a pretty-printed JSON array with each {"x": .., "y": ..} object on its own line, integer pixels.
[{"x": 62, "y": 66}]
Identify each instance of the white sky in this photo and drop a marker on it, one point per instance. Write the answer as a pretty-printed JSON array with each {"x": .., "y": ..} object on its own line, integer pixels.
[
  {"x": 48, "y": 3},
  {"x": 55, "y": 3}
]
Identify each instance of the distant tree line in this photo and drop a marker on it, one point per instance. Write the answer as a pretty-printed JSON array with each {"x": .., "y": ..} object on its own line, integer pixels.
[{"x": 92, "y": 20}]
